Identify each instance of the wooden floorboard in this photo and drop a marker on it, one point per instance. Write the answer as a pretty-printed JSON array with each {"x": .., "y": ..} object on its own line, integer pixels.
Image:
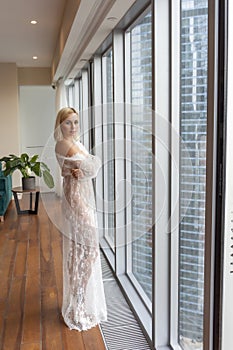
[{"x": 31, "y": 286}]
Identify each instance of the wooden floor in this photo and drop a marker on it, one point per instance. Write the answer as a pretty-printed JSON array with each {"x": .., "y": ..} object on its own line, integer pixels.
[{"x": 31, "y": 287}]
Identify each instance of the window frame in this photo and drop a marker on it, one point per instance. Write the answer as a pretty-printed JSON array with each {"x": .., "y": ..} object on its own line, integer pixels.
[
  {"x": 211, "y": 162},
  {"x": 211, "y": 174},
  {"x": 225, "y": 331},
  {"x": 108, "y": 242},
  {"x": 119, "y": 148},
  {"x": 161, "y": 132},
  {"x": 98, "y": 137},
  {"x": 175, "y": 176},
  {"x": 85, "y": 109},
  {"x": 128, "y": 110}
]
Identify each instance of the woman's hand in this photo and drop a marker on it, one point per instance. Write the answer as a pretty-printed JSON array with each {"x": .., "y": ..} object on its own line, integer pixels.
[{"x": 77, "y": 173}]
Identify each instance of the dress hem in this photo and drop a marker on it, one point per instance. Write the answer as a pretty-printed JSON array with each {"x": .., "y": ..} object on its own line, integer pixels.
[{"x": 85, "y": 328}]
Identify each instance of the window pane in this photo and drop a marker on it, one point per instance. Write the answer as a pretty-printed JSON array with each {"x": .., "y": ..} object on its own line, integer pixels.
[
  {"x": 141, "y": 146},
  {"x": 109, "y": 150},
  {"x": 193, "y": 123},
  {"x": 78, "y": 105}
]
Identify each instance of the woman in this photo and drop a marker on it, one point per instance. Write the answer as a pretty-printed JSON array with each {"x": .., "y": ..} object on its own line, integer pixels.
[{"x": 83, "y": 304}]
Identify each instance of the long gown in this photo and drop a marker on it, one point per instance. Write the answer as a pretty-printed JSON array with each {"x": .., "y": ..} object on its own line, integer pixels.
[{"x": 84, "y": 303}]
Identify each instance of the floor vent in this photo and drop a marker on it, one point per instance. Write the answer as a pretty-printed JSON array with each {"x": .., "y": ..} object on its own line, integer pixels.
[{"x": 121, "y": 331}]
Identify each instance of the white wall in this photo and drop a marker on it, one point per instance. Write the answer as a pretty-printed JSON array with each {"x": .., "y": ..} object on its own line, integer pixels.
[{"x": 37, "y": 115}]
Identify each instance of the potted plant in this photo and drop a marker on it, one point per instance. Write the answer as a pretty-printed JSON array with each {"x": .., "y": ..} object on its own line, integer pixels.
[{"x": 27, "y": 166}]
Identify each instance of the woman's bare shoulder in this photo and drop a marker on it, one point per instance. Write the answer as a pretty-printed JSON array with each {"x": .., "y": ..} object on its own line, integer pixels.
[
  {"x": 61, "y": 147},
  {"x": 66, "y": 148}
]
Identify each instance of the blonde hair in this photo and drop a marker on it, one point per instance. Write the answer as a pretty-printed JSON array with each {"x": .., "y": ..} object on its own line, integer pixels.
[{"x": 61, "y": 116}]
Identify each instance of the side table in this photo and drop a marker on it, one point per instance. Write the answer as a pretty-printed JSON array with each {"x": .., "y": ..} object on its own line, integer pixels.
[{"x": 34, "y": 211}]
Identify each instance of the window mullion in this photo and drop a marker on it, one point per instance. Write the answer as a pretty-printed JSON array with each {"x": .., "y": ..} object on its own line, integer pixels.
[
  {"x": 108, "y": 243},
  {"x": 105, "y": 145},
  {"x": 175, "y": 166},
  {"x": 227, "y": 272},
  {"x": 85, "y": 109},
  {"x": 119, "y": 131},
  {"x": 161, "y": 195},
  {"x": 77, "y": 94},
  {"x": 98, "y": 130},
  {"x": 211, "y": 161},
  {"x": 128, "y": 150}
]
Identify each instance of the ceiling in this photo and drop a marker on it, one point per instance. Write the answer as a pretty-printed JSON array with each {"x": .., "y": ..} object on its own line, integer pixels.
[
  {"x": 20, "y": 40},
  {"x": 86, "y": 22}
]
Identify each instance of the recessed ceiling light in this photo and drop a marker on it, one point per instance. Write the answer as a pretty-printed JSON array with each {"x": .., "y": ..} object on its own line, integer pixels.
[
  {"x": 33, "y": 22},
  {"x": 35, "y": 57},
  {"x": 112, "y": 19}
]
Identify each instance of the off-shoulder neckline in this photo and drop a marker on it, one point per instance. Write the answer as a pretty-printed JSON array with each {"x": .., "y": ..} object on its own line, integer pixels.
[
  {"x": 83, "y": 152},
  {"x": 80, "y": 155}
]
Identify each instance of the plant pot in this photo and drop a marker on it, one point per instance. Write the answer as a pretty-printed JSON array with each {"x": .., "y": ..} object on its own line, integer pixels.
[{"x": 29, "y": 183}]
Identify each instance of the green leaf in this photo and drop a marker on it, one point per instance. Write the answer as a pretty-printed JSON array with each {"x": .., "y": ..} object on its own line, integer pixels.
[
  {"x": 24, "y": 157},
  {"x": 44, "y": 166},
  {"x": 7, "y": 172},
  {"x": 13, "y": 156},
  {"x": 36, "y": 169},
  {"x": 48, "y": 179},
  {"x": 15, "y": 163},
  {"x": 24, "y": 172},
  {"x": 4, "y": 159},
  {"x": 34, "y": 158}
]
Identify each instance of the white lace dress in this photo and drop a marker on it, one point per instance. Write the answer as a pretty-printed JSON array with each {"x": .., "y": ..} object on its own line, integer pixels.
[{"x": 84, "y": 303}]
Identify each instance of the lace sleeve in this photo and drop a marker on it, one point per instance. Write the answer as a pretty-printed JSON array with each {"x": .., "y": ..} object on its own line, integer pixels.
[
  {"x": 65, "y": 171},
  {"x": 67, "y": 165},
  {"x": 90, "y": 167}
]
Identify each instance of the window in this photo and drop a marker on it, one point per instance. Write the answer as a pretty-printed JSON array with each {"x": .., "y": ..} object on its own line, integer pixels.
[
  {"x": 193, "y": 131},
  {"x": 140, "y": 171},
  {"x": 70, "y": 93},
  {"x": 78, "y": 105},
  {"x": 107, "y": 66}
]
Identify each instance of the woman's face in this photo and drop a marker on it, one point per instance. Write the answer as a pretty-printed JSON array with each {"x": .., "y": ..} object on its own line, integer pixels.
[{"x": 70, "y": 126}]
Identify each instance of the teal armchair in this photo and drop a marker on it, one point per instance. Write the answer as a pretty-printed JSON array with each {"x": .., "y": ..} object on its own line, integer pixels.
[{"x": 5, "y": 193}]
